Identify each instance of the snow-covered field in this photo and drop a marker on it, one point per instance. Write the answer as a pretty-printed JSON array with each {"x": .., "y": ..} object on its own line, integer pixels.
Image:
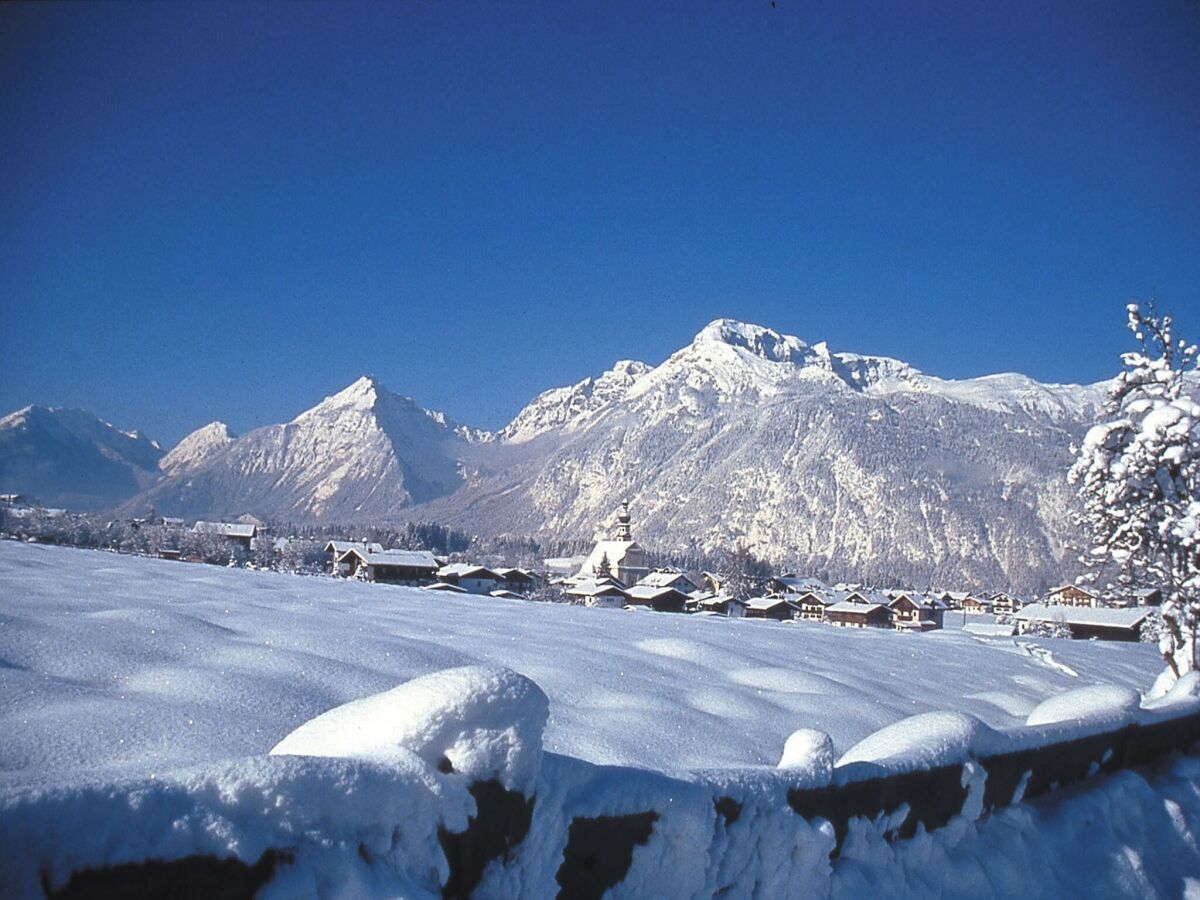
[
  {"x": 140, "y": 699},
  {"x": 117, "y": 661},
  {"x": 109, "y": 660}
]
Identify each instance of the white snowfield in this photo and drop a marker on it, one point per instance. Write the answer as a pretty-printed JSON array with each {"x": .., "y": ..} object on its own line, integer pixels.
[{"x": 141, "y": 699}]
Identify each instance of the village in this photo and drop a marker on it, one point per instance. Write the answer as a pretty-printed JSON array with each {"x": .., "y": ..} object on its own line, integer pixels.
[{"x": 616, "y": 575}]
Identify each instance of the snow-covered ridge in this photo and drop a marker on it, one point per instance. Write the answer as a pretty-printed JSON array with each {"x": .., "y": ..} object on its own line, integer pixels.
[
  {"x": 567, "y": 406},
  {"x": 197, "y": 448}
]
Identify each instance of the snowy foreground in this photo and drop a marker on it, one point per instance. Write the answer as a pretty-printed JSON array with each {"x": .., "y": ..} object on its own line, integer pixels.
[{"x": 140, "y": 699}]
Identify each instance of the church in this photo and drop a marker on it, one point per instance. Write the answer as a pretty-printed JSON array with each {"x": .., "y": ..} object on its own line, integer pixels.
[{"x": 622, "y": 555}]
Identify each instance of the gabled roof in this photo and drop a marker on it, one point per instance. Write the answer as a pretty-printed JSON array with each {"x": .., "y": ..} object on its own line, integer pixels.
[
  {"x": 1125, "y": 617},
  {"x": 508, "y": 595},
  {"x": 592, "y": 588},
  {"x": 849, "y": 606},
  {"x": 467, "y": 570},
  {"x": 412, "y": 559},
  {"x": 226, "y": 529},
  {"x": 796, "y": 584},
  {"x": 825, "y": 598},
  {"x": 650, "y": 592},
  {"x": 666, "y": 578},
  {"x": 444, "y": 587},
  {"x": 768, "y": 602},
  {"x": 615, "y": 551},
  {"x": 340, "y": 547},
  {"x": 508, "y": 573}
]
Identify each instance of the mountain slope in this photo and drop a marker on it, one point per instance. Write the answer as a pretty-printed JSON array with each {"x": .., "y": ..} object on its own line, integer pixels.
[
  {"x": 70, "y": 458},
  {"x": 833, "y": 463},
  {"x": 197, "y": 448},
  {"x": 362, "y": 454}
]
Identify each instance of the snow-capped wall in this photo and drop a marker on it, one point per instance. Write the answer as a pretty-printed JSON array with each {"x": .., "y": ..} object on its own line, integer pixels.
[{"x": 361, "y": 801}]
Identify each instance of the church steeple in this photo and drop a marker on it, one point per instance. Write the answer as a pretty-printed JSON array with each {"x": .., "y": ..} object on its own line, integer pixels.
[{"x": 623, "y": 530}]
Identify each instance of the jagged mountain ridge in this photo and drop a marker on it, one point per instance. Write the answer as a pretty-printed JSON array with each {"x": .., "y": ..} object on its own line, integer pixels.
[
  {"x": 842, "y": 464},
  {"x": 71, "y": 458},
  {"x": 836, "y": 463}
]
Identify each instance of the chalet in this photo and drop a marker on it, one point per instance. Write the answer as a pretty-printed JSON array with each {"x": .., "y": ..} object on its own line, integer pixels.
[
  {"x": 867, "y": 598},
  {"x": 236, "y": 533},
  {"x": 12, "y": 499},
  {"x": 411, "y": 567},
  {"x": 811, "y": 605},
  {"x": 602, "y": 592},
  {"x": 1070, "y": 595},
  {"x": 850, "y": 614},
  {"x": 473, "y": 579},
  {"x": 621, "y": 557},
  {"x": 518, "y": 581},
  {"x": 975, "y": 605},
  {"x": 338, "y": 549},
  {"x": 1147, "y": 597},
  {"x": 770, "y": 607},
  {"x": 671, "y": 578},
  {"x": 718, "y": 604},
  {"x": 660, "y": 599},
  {"x": 444, "y": 587},
  {"x": 170, "y": 522},
  {"x": 794, "y": 584},
  {"x": 1087, "y": 622},
  {"x": 713, "y": 581},
  {"x": 913, "y": 612},
  {"x": 953, "y": 599},
  {"x": 1004, "y": 604}
]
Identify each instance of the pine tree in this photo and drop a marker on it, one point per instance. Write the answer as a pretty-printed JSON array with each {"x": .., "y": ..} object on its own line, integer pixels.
[{"x": 1139, "y": 480}]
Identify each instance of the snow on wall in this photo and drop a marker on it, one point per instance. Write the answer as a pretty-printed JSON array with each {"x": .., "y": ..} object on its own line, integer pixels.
[{"x": 360, "y": 800}]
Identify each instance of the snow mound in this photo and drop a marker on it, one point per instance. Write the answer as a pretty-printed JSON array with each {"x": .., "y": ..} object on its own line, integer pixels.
[
  {"x": 487, "y": 722},
  {"x": 1097, "y": 704},
  {"x": 1184, "y": 689},
  {"x": 808, "y": 753},
  {"x": 927, "y": 741}
]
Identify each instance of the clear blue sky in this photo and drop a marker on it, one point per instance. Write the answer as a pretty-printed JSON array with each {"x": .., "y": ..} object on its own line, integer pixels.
[{"x": 229, "y": 211}]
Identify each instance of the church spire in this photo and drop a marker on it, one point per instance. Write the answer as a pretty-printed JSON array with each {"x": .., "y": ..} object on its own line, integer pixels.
[{"x": 623, "y": 531}]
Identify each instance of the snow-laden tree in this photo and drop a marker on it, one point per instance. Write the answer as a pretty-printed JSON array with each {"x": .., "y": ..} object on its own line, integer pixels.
[{"x": 1138, "y": 475}]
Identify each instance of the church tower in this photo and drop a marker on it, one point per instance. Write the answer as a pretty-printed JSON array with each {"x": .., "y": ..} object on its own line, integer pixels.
[{"x": 623, "y": 531}]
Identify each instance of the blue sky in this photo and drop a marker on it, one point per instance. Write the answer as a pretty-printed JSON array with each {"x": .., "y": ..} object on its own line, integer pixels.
[{"x": 230, "y": 211}]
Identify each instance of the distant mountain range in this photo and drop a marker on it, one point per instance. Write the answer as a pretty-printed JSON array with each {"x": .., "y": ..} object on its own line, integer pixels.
[{"x": 831, "y": 463}]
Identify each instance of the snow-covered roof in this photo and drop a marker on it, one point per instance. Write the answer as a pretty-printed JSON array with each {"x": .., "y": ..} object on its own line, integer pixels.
[
  {"x": 413, "y": 559},
  {"x": 650, "y": 592},
  {"x": 851, "y": 606},
  {"x": 341, "y": 547},
  {"x": 445, "y": 587},
  {"x": 1083, "y": 615},
  {"x": 226, "y": 529},
  {"x": 825, "y": 598},
  {"x": 767, "y": 602},
  {"x": 508, "y": 595},
  {"x": 466, "y": 570},
  {"x": 990, "y": 629},
  {"x": 592, "y": 588},
  {"x": 665, "y": 578},
  {"x": 795, "y": 584},
  {"x": 614, "y": 551}
]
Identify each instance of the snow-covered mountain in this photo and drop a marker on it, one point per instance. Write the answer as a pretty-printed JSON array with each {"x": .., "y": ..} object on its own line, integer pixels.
[
  {"x": 834, "y": 463},
  {"x": 70, "y": 458},
  {"x": 197, "y": 448},
  {"x": 831, "y": 463},
  {"x": 362, "y": 454}
]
